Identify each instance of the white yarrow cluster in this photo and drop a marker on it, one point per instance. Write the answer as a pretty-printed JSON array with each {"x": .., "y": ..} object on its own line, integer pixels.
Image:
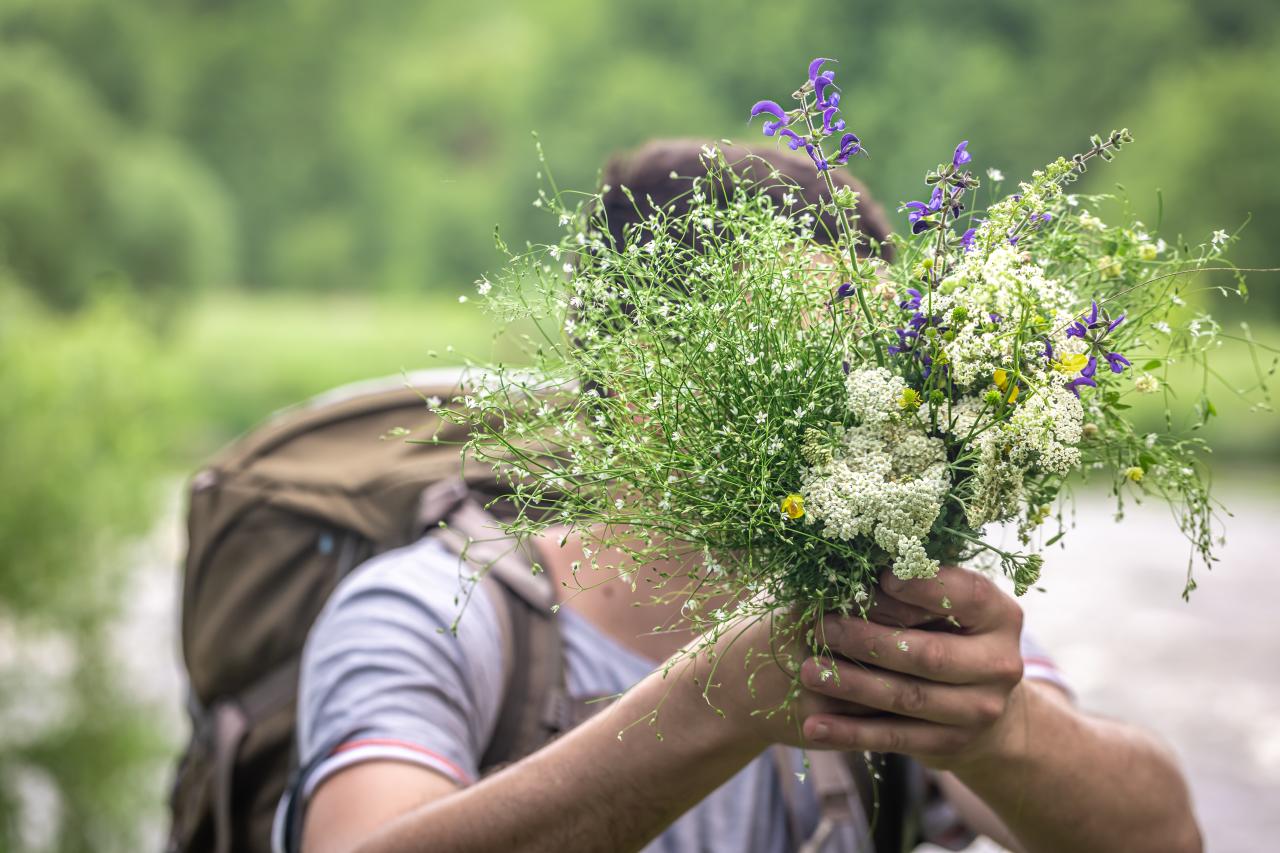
[{"x": 887, "y": 480}]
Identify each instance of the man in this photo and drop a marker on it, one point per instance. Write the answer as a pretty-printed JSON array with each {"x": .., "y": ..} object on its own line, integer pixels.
[{"x": 412, "y": 705}]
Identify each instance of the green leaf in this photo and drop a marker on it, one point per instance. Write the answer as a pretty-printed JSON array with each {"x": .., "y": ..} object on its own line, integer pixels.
[{"x": 1154, "y": 364}]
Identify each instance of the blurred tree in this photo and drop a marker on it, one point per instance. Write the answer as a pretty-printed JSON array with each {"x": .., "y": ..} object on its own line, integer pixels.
[
  {"x": 83, "y": 442},
  {"x": 82, "y": 198}
]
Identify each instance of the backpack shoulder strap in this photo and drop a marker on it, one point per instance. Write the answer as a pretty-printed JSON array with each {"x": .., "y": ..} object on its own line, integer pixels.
[{"x": 535, "y": 704}]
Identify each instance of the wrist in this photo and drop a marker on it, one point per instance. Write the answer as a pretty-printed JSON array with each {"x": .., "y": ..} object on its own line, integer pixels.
[
  {"x": 693, "y": 705},
  {"x": 1009, "y": 742}
]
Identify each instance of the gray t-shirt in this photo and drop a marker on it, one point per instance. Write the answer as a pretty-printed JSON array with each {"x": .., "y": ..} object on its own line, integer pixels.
[{"x": 384, "y": 677}]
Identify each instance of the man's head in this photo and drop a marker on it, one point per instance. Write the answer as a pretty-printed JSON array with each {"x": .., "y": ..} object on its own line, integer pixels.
[{"x": 647, "y": 173}]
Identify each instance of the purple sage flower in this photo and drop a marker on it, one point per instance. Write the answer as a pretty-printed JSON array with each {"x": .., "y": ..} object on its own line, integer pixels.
[
  {"x": 849, "y": 146},
  {"x": 815, "y": 154},
  {"x": 828, "y": 126},
  {"x": 1117, "y": 362},
  {"x": 845, "y": 290},
  {"x": 773, "y": 109},
  {"x": 1085, "y": 377},
  {"x": 961, "y": 156},
  {"x": 794, "y": 140},
  {"x": 966, "y": 239}
]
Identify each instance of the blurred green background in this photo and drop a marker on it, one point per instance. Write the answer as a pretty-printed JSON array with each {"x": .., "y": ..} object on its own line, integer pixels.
[{"x": 212, "y": 208}]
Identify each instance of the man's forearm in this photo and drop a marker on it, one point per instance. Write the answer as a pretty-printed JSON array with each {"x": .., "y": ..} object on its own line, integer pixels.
[
  {"x": 1063, "y": 781},
  {"x": 591, "y": 790}
]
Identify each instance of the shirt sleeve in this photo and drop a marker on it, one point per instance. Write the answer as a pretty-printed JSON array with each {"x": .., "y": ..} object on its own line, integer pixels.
[
  {"x": 404, "y": 663},
  {"x": 1038, "y": 665}
]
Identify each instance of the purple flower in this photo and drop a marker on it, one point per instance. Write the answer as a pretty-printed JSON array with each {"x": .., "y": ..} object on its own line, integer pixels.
[
  {"x": 773, "y": 109},
  {"x": 1048, "y": 349},
  {"x": 966, "y": 239},
  {"x": 815, "y": 154},
  {"x": 828, "y": 126},
  {"x": 849, "y": 146},
  {"x": 919, "y": 210},
  {"x": 960, "y": 157},
  {"x": 821, "y": 80},
  {"x": 794, "y": 140},
  {"x": 815, "y": 68},
  {"x": 913, "y": 302},
  {"x": 845, "y": 290},
  {"x": 1117, "y": 362},
  {"x": 1085, "y": 377}
]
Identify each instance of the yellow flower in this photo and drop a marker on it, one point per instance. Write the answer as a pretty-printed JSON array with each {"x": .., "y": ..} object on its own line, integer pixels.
[
  {"x": 1148, "y": 251},
  {"x": 793, "y": 506},
  {"x": 1001, "y": 377},
  {"x": 1073, "y": 363},
  {"x": 909, "y": 399},
  {"x": 1109, "y": 267},
  {"x": 1135, "y": 474}
]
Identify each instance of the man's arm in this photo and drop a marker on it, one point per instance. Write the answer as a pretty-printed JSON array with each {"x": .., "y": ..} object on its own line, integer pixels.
[
  {"x": 588, "y": 790},
  {"x": 1058, "y": 779}
]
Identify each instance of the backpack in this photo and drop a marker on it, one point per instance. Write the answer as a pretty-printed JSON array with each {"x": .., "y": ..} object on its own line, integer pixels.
[
  {"x": 275, "y": 521},
  {"x": 279, "y": 517}
]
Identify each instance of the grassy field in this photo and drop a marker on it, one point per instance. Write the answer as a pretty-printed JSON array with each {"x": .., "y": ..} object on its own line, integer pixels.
[{"x": 237, "y": 357}]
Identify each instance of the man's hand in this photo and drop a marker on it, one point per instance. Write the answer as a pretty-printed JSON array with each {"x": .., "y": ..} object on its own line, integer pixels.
[{"x": 942, "y": 657}]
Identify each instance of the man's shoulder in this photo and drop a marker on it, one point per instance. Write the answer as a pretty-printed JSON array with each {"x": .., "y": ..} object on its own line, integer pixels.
[{"x": 420, "y": 593}]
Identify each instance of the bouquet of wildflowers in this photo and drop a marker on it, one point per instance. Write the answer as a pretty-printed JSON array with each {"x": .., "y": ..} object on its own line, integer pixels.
[{"x": 783, "y": 417}]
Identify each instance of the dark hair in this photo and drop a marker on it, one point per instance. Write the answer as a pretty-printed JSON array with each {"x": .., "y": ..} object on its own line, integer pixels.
[{"x": 647, "y": 173}]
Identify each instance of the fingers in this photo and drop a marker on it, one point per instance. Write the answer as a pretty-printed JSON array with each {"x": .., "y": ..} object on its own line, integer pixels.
[
  {"x": 971, "y": 706},
  {"x": 880, "y": 734},
  {"x": 932, "y": 655},
  {"x": 971, "y": 598},
  {"x": 888, "y": 610}
]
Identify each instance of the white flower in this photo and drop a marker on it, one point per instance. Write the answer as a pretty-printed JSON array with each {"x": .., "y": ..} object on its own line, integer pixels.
[
  {"x": 1162, "y": 327},
  {"x": 1089, "y": 222},
  {"x": 1073, "y": 201},
  {"x": 1145, "y": 383},
  {"x": 711, "y": 347},
  {"x": 873, "y": 394},
  {"x": 673, "y": 175},
  {"x": 995, "y": 175},
  {"x": 564, "y": 219},
  {"x": 568, "y": 269},
  {"x": 462, "y": 298},
  {"x": 434, "y": 402},
  {"x": 1220, "y": 237},
  {"x": 751, "y": 359},
  {"x": 483, "y": 287},
  {"x": 761, "y": 417},
  {"x": 887, "y": 485}
]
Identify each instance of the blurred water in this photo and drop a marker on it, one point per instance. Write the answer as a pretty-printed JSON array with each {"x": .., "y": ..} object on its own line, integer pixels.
[{"x": 1203, "y": 675}]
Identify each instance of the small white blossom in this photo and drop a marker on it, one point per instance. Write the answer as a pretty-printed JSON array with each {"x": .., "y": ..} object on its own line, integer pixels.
[
  {"x": 1145, "y": 383},
  {"x": 995, "y": 175},
  {"x": 1220, "y": 237},
  {"x": 462, "y": 298},
  {"x": 1089, "y": 222}
]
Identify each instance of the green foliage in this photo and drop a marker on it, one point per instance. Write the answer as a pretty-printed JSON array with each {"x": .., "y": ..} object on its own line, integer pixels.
[
  {"x": 86, "y": 422},
  {"x": 374, "y": 145},
  {"x": 84, "y": 200}
]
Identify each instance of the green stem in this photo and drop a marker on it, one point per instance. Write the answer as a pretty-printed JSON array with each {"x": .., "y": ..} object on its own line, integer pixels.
[{"x": 847, "y": 233}]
